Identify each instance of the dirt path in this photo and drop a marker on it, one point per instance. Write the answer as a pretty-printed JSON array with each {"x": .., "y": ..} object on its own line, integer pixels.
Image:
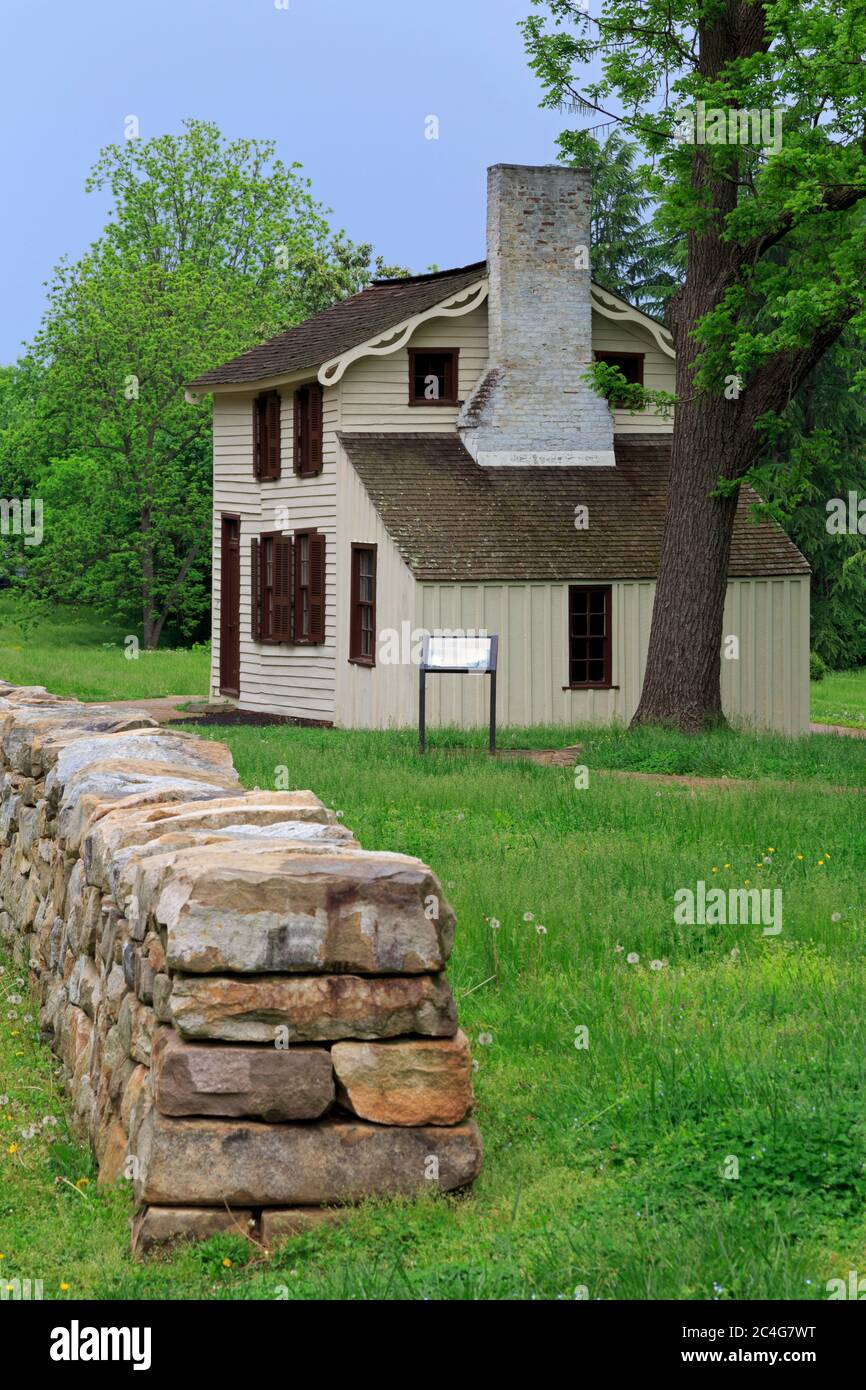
[{"x": 842, "y": 729}]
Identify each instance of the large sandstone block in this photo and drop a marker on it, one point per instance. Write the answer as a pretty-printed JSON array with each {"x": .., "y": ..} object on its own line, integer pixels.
[
  {"x": 158, "y": 1226},
  {"x": 417, "y": 1082},
  {"x": 206, "y": 1162},
  {"x": 267, "y": 1083},
  {"x": 281, "y": 1224},
  {"x": 296, "y": 909},
  {"x": 314, "y": 1008}
]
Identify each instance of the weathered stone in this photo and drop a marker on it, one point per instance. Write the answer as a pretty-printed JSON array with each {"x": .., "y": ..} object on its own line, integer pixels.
[
  {"x": 162, "y": 998},
  {"x": 267, "y": 1083},
  {"x": 341, "y": 910},
  {"x": 418, "y": 1082},
  {"x": 277, "y": 1225},
  {"x": 159, "y": 1226},
  {"x": 314, "y": 1008},
  {"x": 205, "y": 1162},
  {"x": 85, "y": 988},
  {"x": 113, "y": 1154}
]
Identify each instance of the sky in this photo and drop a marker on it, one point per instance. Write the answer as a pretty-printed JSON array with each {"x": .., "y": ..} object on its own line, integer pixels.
[{"x": 343, "y": 86}]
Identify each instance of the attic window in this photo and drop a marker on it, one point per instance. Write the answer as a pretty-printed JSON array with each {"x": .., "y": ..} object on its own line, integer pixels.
[
  {"x": 629, "y": 363},
  {"x": 433, "y": 376}
]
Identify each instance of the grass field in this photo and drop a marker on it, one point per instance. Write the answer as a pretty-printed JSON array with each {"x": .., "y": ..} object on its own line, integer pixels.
[
  {"x": 840, "y": 698},
  {"x": 604, "y": 1165},
  {"x": 80, "y": 653}
]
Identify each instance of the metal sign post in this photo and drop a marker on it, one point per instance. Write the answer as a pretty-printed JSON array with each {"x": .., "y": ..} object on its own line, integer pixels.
[{"x": 456, "y": 656}]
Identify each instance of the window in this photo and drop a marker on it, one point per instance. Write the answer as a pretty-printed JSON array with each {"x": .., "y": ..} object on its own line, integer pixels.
[
  {"x": 271, "y": 588},
  {"x": 309, "y": 623},
  {"x": 433, "y": 376},
  {"x": 589, "y": 647},
  {"x": 362, "y": 620},
  {"x": 266, "y": 435},
  {"x": 629, "y": 363},
  {"x": 308, "y": 430}
]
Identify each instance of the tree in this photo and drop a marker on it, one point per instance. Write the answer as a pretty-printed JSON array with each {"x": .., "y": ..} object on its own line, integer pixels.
[
  {"x": 212, "y": 246},
  {"x": 628, "y": 255},
  {"x": 775, "y": 253}
]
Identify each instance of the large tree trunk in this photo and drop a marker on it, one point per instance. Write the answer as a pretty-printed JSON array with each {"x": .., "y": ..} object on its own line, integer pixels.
[{"x": 682, "y": 682}]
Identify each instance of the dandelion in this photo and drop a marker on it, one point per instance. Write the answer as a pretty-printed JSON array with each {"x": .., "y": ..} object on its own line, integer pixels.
[
  {"x": 820, "y": 863},
  {"x": 461, "y": 815},
  {"x": 633, "y": 958},
  {"x": 476, "y": 1065},
  {"x": 495, "y": 924},
  {"x": 657, "y": 965},
  {"x": 767, "y": 860},
  {"x": 529, "y": 916},
  {"x": 541, "y": 929},
  {"x": 12, "y": 1013},
  {"x": 64, "y": 1287},
  {"x": 485, "y": 1039},
  {"x": 735, "y": 953},
  {"x": 227, "y": 1263},
  {"x": 12, "y": 1149},
  {"x": 800, "y": 856},
  {"x": 4, "y": 1100},
  {"x": 715, "y": 870},
  {"x": 836, "y": 917},
  {"x": 339, "y": 814},
  {"x": 770, "y": 849},
  {"x": 619, "y": 949},
  {"x": 746, "y": 882},
  {"x": 14, "y": 998},
  {"x": 82, "y": 1183},
  {"x": 727, "y": 866}
]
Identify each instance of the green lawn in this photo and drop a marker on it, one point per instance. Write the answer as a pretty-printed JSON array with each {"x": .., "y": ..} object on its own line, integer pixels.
[
  {"x": 840, "y": 698},
  {"x": 603, "y": 1165},
  {"x": 80, "y": 653}
]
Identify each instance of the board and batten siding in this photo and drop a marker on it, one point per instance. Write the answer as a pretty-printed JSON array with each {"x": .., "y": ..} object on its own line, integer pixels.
[
  {"x": 767, "y": 687},
  {"x": 659, "y": 371},
  {"x": 282, "y": 679}
]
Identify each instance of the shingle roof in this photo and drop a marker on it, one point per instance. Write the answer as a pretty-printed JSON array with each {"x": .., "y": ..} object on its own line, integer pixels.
[
  {"x": 381, "y": 306},
  {"x": 453, "y": 520}
]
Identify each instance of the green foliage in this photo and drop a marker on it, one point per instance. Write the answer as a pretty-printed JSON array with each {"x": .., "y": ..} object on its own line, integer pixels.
[
  {"x": 211, "y": 247},
  {"x": 611, "y": 383},
  {"x": 628, "y": 256},
  {"x": 817, "y": 667}
]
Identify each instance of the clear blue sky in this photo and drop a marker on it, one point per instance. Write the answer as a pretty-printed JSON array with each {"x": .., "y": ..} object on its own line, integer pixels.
[{"x": 344, "y": 86}]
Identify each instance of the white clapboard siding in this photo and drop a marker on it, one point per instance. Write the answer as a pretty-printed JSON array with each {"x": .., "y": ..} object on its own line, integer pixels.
[
  {"x": 375, "y": 390},
  {"x": 659, "y": 370},
  {"x": 283, "y": 679}
]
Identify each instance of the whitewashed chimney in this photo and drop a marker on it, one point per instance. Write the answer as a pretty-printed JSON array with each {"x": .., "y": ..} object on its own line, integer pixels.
[{"x": 531, "y": 407}]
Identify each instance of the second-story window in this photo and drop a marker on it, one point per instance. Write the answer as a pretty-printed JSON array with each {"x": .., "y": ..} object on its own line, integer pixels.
[
  {"x": 433, "y": 376},
  {"x": 629, "y": 363}
]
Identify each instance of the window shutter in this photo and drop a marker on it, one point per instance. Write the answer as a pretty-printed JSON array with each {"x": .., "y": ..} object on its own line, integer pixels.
[
  {"x": 317, "y": 588},
  {"x": 314, "y": 461},
  {"x": 271, "y": 467},
  {"x": 255, "y": 592},
  {"x": 298, "y": 431},
  {"x": 258, "y": 428},
  {"x": 282, "y": 589}
]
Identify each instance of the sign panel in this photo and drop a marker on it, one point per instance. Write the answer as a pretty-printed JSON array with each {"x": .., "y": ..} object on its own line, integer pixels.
[{"x": 468, "y": 652}]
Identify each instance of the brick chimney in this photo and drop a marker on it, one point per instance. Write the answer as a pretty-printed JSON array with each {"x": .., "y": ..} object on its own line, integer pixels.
[{"x": 531, "y": 407}]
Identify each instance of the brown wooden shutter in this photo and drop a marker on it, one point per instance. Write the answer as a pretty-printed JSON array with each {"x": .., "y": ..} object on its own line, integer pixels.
[
  {"x": 255, "y": 591},
  {"x": 282, "y": 589},
  {"x": 258, "y": 429},
  {"x": 317, "y": 588},
  {"x": 314, "y": 433},
  {"x": 271, "y": 467},
  {"x": 354, "y": 606},
  {"x": 298, "y": 431}
]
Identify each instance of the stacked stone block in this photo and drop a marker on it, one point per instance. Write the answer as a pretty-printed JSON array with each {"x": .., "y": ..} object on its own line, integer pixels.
[{"x": 251, "y": 1010}]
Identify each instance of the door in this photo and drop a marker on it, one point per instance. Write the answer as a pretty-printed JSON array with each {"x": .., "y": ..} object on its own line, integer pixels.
[{"x": 230, "y": 606}]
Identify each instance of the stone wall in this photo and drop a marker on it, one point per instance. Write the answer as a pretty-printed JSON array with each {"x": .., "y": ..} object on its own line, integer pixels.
[{"x": 250, "y": 1009}]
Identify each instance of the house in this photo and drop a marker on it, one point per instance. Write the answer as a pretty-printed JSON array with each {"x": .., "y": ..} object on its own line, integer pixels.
[{"x": 425, "y": 456}]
